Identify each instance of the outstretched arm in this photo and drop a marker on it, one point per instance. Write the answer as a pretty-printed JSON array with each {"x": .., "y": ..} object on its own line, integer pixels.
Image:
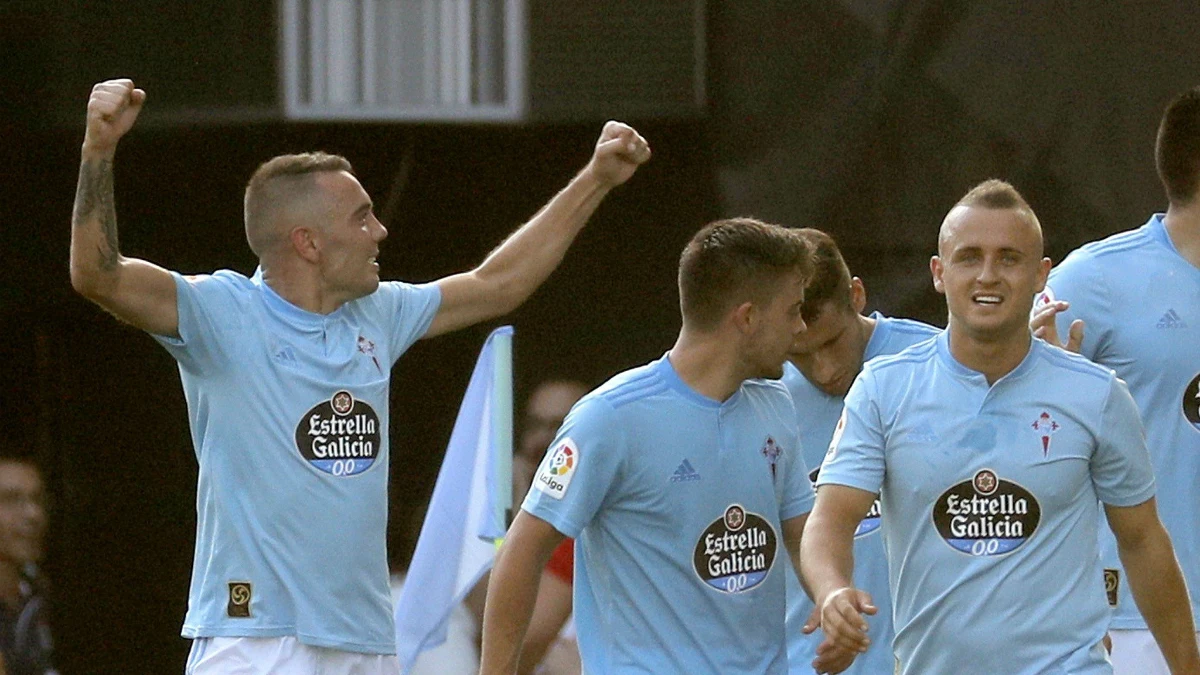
[
  {"x": 133, "y": 290},
  {"x": 1156, "y": 582},
  {"x": 827, "y": 564},
  {"x": 512, "y": 272},
  {"x": 512, "y": 591}
]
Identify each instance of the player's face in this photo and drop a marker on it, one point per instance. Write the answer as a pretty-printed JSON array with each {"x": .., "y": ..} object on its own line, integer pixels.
[
  {"x": 22, "y": 514},
  {"x": 777, "y": 324},
  {"x": 548, "y": 406},
  {"x": 350, "y": 240},
  {"x": 829, "y": 353},
  {"x": 989, "y": 267}
]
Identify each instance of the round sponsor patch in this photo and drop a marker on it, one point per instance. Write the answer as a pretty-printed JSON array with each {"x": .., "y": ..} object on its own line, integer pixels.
[
  {"x": 986, "y": 515},
  {"x": 736, "y": 551},
  {"x": 339, "y": 436},
  {"x": 1191, "y": 402}
]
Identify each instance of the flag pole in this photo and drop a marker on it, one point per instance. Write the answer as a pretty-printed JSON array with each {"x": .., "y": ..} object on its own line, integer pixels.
[{"x": 502, "y": 424}]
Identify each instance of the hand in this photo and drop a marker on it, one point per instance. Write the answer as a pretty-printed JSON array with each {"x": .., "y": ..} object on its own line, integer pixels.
[
  {"x": 842, "y": 618},
  {"x": 111, "y": 111},
  {"x": 1043, "y": 325},
  {"x": 830, "y": 657},
  {"x": 619, "y": 152}
]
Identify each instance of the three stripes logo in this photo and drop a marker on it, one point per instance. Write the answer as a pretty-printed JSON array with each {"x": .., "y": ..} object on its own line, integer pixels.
[
  {"x": 1171, "y": 319},
  {"x": 685, "y": 473}
]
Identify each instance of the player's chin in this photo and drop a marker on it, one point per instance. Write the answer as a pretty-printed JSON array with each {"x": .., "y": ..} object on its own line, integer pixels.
[{"x": 771, "y": 372}]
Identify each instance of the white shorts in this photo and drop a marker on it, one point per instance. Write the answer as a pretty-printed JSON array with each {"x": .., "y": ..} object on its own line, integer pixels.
[
  {"x": 281, "y": 656},
  {"x": 1134, "y": 652}
]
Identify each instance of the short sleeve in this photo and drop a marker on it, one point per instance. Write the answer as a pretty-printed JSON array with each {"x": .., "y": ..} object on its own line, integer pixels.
[
  {"x": 1078, "y": 281},
  {"x": 580, "y": 469},
  {"x": 211, "y": 310},
  {"x": 410, "y": 309},
  {"x": 1121, "y": 468},
  {"x": 856, "y": 455}
]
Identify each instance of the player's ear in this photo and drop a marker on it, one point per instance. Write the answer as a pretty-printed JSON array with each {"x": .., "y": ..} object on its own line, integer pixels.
[
  {"x": 858, "y": 295},
  {"x": 743, "y": 316},
  {"x": 304, "y": 243},
  {"x": 935, "y": 269},
  {"x": 1043, "y": 274}
]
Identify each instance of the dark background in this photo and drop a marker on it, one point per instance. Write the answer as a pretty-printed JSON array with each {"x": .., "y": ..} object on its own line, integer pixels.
[{"x": 866, "y": 118}]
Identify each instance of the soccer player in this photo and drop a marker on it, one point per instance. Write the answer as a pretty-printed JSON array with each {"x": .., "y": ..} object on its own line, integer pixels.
[
  {"x": 1138, "y": 292},
  {"x": 681, "y": 482},
  {"x": 287, "y": 376},
  {"x": 991, "y": 453},
  {"x": 823, "y": 363}
]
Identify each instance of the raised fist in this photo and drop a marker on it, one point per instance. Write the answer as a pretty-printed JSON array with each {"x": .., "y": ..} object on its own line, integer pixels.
[
  {"x": 111, "y": 111},
  {"x": 619, "y": 152}
]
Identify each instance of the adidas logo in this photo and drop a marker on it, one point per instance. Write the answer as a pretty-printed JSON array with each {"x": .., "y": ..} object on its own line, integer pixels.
[
  {"x": 923, "y": 434},
  {"x": 684, "y": 473},
  {"x": 1171, "y": 319},
  {"x": 286, "y": 356}
]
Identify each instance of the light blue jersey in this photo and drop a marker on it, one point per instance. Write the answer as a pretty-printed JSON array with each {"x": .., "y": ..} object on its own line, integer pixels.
[
  {"x": 1140, "y": 301},
  {"x": 991, "y": 502},
  {"x": 675, "y": 502},
  {"x": 818, "y": 414},
  {"x": 289, "y": 419}
]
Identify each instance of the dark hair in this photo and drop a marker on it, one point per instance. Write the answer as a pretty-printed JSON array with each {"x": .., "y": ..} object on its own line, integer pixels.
[
  {"x": 731, "y": 261},
  {"x": 274, "y": 179},
  {"x": 830, "y": 282},
  {"x": 1177, "y": 149}
]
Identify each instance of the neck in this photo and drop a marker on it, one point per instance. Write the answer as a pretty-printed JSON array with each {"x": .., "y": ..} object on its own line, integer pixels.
[
  {"x": 1183, "y": 227},
  {"x": 867, "y": 325},
  {"x": 707, "y": 363},
  {"x": 994, "y": 359},
  {"x": 296, "y": 288}
]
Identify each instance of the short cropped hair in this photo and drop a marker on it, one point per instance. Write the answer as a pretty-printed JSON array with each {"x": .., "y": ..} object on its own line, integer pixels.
[
  {"x": 276, "y": 180},
  {"x": 731, "y": 261},
  {"x": 1177, "y": 149},
  {"x": 995, "y": 194},
  {"x": 830, "y": 282}
]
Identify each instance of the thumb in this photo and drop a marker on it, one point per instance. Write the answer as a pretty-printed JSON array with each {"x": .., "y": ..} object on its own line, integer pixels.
[
  {"x": 864, "y": 603},
  {"x": 813, "y": 622},
  {"x": 137, "y": 98}
]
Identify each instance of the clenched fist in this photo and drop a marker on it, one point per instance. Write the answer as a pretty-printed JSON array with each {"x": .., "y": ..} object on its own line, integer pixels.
[
  {"x": 619, "y": 152},
  {"x": 111, "y": 111}
]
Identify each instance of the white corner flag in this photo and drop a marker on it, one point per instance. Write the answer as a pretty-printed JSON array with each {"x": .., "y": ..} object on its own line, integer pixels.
[{"x": 468, "y": 512}]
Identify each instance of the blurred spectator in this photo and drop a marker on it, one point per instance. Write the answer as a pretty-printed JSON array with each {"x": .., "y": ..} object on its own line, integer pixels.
[
  {"x": 24, "y": 629},
  {"x": 549, "y": 403}
]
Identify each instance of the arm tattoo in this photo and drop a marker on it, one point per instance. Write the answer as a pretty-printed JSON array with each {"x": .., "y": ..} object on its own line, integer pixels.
[{"x": 94, "y": 199}]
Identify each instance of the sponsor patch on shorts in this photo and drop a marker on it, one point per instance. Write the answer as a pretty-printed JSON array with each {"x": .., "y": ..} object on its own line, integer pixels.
[{"x": 557, "y": 469}]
